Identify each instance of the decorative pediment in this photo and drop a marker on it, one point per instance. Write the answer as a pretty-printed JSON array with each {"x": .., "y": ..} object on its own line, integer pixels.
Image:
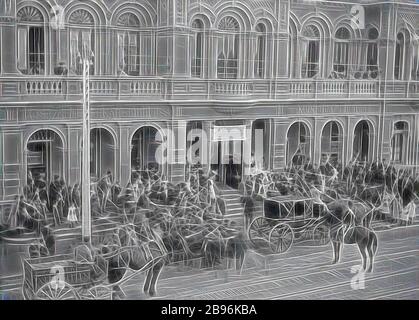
[
  {"x": 29, "y": 14},
  {"x": 81, "y": 16},
  {"x": 128, "y": 20}
]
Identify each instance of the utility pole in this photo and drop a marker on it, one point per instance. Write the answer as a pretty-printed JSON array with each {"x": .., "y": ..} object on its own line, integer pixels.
[{"x": 85, "y": 179}]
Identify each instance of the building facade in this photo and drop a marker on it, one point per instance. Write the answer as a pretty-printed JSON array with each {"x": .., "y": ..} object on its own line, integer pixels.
[{"x": 310, "y": 79}]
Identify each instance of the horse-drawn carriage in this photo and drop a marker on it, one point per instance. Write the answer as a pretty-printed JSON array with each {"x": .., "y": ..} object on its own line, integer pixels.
[
  {"x": 60, "y": 277},
  {"x": 83, "y": 275},
  {"x": 288, "y": 219}
]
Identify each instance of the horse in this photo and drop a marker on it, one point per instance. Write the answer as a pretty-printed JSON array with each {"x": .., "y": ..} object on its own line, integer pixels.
[
  {"x": 233, "y": 247},
  {"x": 344, "y": 229},
  {"x": 127, "y": 249}
]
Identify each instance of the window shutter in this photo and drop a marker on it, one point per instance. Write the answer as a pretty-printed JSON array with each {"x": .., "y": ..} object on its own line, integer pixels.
[{"x": 22, "y": 49}]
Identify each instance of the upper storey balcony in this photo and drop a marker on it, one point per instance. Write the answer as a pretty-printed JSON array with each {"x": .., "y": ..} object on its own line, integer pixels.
[
  {"x": 232, "y": 57},
  {"x": 39, "y": 89}
]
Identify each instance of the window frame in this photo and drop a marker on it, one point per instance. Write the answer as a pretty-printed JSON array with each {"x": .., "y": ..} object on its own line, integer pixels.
[
  {"x": 197, "y": 33},
  {"x": 372, "y": 45},
  {"x": 227, "y": 61},
  {"x": 307, "y": 70},
  {"x": 260, "y": 56},
  {"x": 343, "y": 60},
  {"x": 27, "y": 26},
  {"x": 401, "y": 135}
]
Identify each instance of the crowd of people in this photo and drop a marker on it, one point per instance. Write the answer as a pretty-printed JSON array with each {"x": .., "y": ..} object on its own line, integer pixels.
[
  {"x": 394, "y": 190},
  {"x": 57, "y": 203}
]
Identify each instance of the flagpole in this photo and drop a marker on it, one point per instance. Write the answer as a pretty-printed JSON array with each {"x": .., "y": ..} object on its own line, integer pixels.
[{"x": 86, "y": 216}]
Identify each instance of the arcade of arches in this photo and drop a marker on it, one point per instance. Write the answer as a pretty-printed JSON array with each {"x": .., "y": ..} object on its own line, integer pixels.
[{"x": 46, "y": 155}]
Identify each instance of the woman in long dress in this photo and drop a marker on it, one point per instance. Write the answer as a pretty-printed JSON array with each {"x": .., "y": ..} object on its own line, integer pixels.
[{"x": 72, "y": 216}]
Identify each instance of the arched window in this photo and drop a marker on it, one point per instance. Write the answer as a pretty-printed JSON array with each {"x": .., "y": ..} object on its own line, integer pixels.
[
  {"x": 298, "y": 144},
  {"x": 197, "y": 49},
  {"x": 292, "y": 50},
  {"x": 44, "y": 155},
  {"x": 372, "y": 50},
  {"x": 401, "y": 56},
  {"x": 228, "y": 49},
  {"x": 362, "y": 142},
  {"x": 341, "y": 56},
  {"x": 399, "y": 142},
  {"x": 146, "y": 153},
  {"x": 310, "y": 52},
  {"x": 331, "y": 143},
  {"x": 260, "y": 53},
  {"x": 31, "y": 41},
  {"x": 82, "y": 41},
  {"x": 134, "y": 46},
  {"x": 102, "y": 152}
]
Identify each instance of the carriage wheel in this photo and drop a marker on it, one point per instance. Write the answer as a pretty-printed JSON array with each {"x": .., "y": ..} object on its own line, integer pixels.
[
  {"x": 63, "y": 292},
  {"x": 281, "y": 238},
  {"x": 259, "y": 231},
  {"x": 321, "y": 235},
  {"x": 99, "y": 292}
]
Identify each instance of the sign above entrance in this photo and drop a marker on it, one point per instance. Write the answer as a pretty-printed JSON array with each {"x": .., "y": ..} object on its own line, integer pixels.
[{"x": 229, "y": 133}]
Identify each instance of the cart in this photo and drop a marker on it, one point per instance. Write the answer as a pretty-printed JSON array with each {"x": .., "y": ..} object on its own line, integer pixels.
[
  {"x": 288, "y": 219},
  {"x": 60, "y": 277}
]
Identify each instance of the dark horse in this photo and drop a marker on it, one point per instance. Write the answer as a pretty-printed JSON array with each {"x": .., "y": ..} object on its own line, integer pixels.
[
  {"x": 345, "y": 230},
  {"x": 128, "y": 249}
]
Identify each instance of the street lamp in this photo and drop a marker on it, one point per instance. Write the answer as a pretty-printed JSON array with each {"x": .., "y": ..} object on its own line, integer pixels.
[{"x": 86, "y": 59}]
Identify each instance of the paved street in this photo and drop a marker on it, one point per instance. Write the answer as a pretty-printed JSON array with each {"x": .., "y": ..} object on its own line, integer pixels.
[{"x": 301, "y": 273}]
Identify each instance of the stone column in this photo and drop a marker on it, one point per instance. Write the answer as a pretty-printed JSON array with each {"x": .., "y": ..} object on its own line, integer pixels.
[
  {"x": 177, "y": 149},
  {"x": 13, "y": 165},
  {"x": 74, "y": 154},
  {"x": 206, "y": 155},
  {"x": 280, "y": 127},
  {"x": 384, "y": 139},
  {"x": 9, "y": 55},
  {"x": 317, "y": 140},
  {"x": 247, "y": 148},
  {"x": 124, "y": 155}
]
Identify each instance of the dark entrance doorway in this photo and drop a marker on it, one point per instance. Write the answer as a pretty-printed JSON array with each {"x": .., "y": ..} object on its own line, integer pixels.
[
  {"x": 227, "y": 152},
  {"x": 44, "y": 153},
  {"x": 230, "y": 162}
]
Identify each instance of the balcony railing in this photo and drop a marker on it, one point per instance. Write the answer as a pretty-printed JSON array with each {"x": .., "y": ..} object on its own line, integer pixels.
[{"x": 113, "y": 88}]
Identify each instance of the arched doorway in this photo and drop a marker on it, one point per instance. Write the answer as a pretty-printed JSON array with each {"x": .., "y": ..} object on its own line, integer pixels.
[
  {"x": 399, "y": 142},
  {"x": 362, "y": 142},
  {"x": 102, "y": 153},
  {"x": 145, "y": 152},
  {"x": 44, "y": 155},
  {"x": 298, "y": 144},
  {"x": 331, "y": 143}
]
